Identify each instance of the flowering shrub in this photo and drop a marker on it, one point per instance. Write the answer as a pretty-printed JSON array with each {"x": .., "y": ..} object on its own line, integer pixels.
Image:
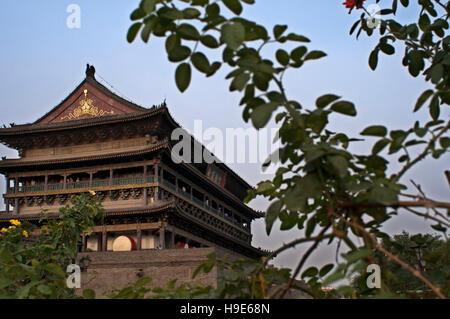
[{"x": 33, "y": 266}]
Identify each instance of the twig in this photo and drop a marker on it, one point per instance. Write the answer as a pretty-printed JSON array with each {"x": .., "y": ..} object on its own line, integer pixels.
[
  {"x": 426, "y": 216},
  {"x": 378, "y": 246},
  {"x": 302, "y": 262},
  {"x": 293, "y": 244},
  {"x": 422, "y": 155},
  {"x": 418, "y": 203}
]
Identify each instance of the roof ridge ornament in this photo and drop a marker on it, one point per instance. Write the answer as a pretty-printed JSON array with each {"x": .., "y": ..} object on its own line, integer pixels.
[{"x": 90, "y": 71}]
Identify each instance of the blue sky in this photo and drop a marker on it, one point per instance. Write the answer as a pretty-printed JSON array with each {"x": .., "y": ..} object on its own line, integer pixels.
[{"x": 42, "y": 60}]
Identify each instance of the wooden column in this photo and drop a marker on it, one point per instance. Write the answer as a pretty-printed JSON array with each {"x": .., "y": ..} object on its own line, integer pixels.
[
  {"x": 16, "y": 206},
  {"x": 145, "y": 189},
  {"x": 162, "y": 237},
  {"x": 65, "y": 182},
  {"x": 16, "y": 185},
  {"x": 7, "y": 205},
  {"x": 46, "y": 183},
  {"x": 110, "y": 177},
  {"x": 83, "y": 243},
  {"x": 156, "y": 195},
  {"x": 90, "y": 179},
  {"x": 172, "y": 239},
  {"x": 139, "y": 239},
  {"x": 104, "y": 239}
]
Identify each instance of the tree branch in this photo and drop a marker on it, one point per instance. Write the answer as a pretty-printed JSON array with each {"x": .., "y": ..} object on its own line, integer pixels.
[{"x": 394, "y": 258}]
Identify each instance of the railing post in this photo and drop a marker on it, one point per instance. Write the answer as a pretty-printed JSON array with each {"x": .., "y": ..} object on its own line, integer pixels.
[
  {"x": 110, "y": 177},
  {"x": 65, "y": 182},
  {"x": 90, "y": 179},
  {"x": 46, "y": 183}
]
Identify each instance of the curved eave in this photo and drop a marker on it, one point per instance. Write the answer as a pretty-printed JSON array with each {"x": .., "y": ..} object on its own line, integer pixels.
[
  {"x": 76, "y": 124},
  {"x": 18, "y": 163}
]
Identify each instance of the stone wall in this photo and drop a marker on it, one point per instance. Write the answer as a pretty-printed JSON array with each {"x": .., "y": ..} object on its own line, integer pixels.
[{"x": 108, "y": 270}]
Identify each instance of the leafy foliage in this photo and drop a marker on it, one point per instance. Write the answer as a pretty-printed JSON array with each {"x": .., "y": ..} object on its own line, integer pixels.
[
  {"x": 33, "y": 266},
  {"x": 320, "y": 185}
]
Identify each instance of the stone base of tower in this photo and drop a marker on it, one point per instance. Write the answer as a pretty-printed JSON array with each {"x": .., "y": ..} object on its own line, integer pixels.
[{"x": 113, "y": 270}]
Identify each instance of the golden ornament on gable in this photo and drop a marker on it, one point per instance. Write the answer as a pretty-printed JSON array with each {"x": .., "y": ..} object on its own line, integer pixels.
[{"x": 86, "y": 108}]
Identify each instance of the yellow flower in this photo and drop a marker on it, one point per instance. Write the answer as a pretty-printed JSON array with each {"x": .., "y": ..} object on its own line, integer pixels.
[
  {"x": 25, "y": 233},
  {"x": 11, "y": 227},
  {"x": 15, "y": 222},
  {"x": 92, "y": 192},
  {"x": 4, "y": 230}
]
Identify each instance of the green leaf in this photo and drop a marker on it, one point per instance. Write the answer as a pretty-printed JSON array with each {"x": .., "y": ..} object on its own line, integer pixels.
[
  {"x": 272, "y": 214},
  {"x": 357, "y": 255},
  {"x": 434, "y": 108},
  {"x": 147, "y": 30},
  {"x": 440, "y": 228},
  {"x": 373, "y": 59},
  {"x": 380, "y": 145},
  {"x": 44, "y": 289},
  {"x": 179, "y": 53},
  {"x": 422, "y": 99},
  {"x": 200, "y": 61},
  {"x": 314, "y": 55},
  {"x": 324, "y": 100},
  {"x": 188, "y": 32},
  {"x": 445, "y": 142},
  {"x": 183, "y": 76},
  {"x": 239, "y": 82},
  {"x": 298, "y": 53},
  {"x": 344, "y": 107},
  {"x": 149, "y": 6},
  {"x": 172, "y": 42},
  {"x": 282, "y": 57},
  {"x": 383, "y": 195},
  {"x": 133, "y": 30},
  {"x": 416, "y": 63},
  {"x": 137, "y": 14},
  {"x": 262, "y": 113},
  {"x": 297, "y": 38},
  {"x": 310, "y": 272},
  {"x": 325, "y": 270},
  {"x": 233, "y": 34},
  {"x": 375, "y": 130},
  {"x": 55, "y": 269},
  {"x": 387, "y": 48},
  {"x": 209, "y": 41},
  {"x": 278, "y": 30},
  {"x": 340, "y": 164},
  {"x": 234, "y": 5},
  {"x": 89, "y": 294}
]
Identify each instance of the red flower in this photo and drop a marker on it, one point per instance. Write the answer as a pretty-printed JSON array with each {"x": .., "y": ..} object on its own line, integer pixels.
[{"x": 353, "y": 3}]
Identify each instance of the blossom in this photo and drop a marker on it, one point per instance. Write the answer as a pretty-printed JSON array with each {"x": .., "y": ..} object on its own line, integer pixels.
[
  {"x": 15, "y": 222},
  {"x": 353, "y": 3},
  {"x": 92, "y": 192},
  {"x": 25, "y": 233},
  {"x": 4, "y": 230}
]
